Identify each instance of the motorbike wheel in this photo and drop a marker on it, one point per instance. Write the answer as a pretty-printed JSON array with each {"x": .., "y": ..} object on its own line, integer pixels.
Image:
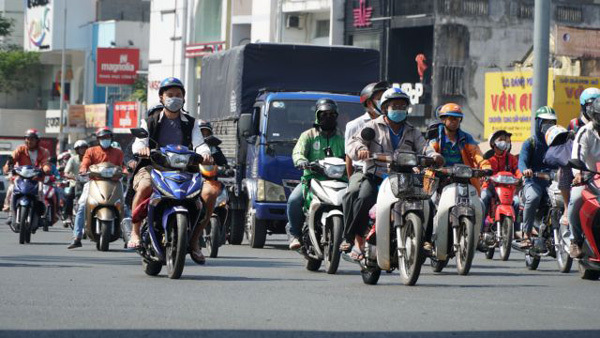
[
  {"x": 313, "y": 264},
  {"x": 332, "y": 251},
  {"x": 437, "y": 265},
  {"x": 563, "y": 259},
  {"x": 507, "y": 229},
  {"x": 256, "y": 230},
  {"x": 24, "y": 228},
  {"x": 213, "y": 237},
  {"x": 464, "y": 257},
  {"x": 489, "y": 254},
  {"x": 588, "y": 274},
  {"x": 370, "y": 276},
  {"x": 13, "y": 224},
  {"x": 151, "y": 268},
  {"x": 413, "y": 255},
  {"x": 176, "y": 247},
  {"x": 532, "y": 262},
  {"x": 236, "y": 230},
  {"x": 105, "y": 234}
]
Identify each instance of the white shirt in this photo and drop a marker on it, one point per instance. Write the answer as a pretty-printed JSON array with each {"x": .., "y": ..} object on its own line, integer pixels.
[
  {"x": 197, "y": 140},
  {"x": 33, "y": 156},
  {"x": 352, "y": 128},
  {"x": 586, "y": 146}
]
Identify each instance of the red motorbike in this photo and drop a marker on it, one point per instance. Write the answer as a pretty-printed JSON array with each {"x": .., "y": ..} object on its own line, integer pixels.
[
  {"x": 50, "y": 200},
  {"x": 499, "y": 225},
  {"x": 589, "y": 264}
]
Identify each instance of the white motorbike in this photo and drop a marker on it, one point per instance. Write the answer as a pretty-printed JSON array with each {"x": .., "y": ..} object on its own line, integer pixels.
[
  {"x": 323, "y": 230},
  {"x": 456, "y": 225}
]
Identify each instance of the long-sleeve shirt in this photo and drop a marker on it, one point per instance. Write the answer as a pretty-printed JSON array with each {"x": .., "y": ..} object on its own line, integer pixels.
[
  {"x": 22, "y": 157},
  {"x": 587, "y": 147},
  {"x": 97, "y": 154}
]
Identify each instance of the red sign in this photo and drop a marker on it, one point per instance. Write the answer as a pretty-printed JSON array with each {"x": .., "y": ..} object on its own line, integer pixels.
[
  {"x": 200, "y": 49},
  {"x": 117, "y": 66},
  {"x": 362, "y": 15},
  {"x": 125, "y": 115}
]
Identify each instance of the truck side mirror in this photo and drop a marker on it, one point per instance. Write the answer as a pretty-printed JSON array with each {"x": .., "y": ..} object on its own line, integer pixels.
[{"x": 245, "y": 126}]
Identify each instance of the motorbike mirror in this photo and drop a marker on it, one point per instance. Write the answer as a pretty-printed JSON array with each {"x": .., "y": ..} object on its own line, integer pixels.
[
  {"x": 576, "y": 163},
  {"x": 139, "y": 132},
  {"x": 368, "y": 134}
]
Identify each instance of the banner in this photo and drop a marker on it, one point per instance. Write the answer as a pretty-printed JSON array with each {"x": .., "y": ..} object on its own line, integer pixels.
[
  {"x": 508, "y": 97},
  {"x": 38, "y": 25},
  {"x": 117, "y": 66},
  {"x": 125, "y": 116},
  {"x": 52, "y": 121},
  {"x": 95, "y": 115},
  {"x": 76, "y": 116},
  {"x": 567, "y": 90}
]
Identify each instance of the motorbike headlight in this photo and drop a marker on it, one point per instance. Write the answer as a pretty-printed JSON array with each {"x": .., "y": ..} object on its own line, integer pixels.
[
  {"x": 335, "y": 171},
  {"x": 462, "y": 171},
  {"x": 108, "y": 172},
  {"x": 178, "y": 161},
  {"x": 269, "y": 192},
  {"x": 505, "y": 179},
  {"x": 27, "y": 172},
  {"x": 406, "y": 159}
]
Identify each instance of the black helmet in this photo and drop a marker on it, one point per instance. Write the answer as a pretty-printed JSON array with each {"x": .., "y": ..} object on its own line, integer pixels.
[
  {"x": 104, "y": 131},
  {"x": 325, "y": 105},
  {"x": 367, "y": 93}
]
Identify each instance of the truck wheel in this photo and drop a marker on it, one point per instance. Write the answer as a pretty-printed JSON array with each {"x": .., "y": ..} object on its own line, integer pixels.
[
  {"x": 237, "y": 223},
  {"x": 256, "y": 230}
]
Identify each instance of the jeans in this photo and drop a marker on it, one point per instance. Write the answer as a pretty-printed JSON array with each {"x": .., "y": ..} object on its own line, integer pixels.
[
  {"x": 80, "y": 215},
  {"x": 294, "y": 212},
  {"x": 575, "y": 204},
  {"x": 534, "y": 193}
]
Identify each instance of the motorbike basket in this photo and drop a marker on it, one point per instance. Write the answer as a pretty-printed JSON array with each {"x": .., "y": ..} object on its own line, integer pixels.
[{"x": 413, "y": 186}]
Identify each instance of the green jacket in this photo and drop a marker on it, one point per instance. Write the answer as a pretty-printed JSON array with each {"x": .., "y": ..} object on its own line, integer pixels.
[{"x": 311, "y": 147}]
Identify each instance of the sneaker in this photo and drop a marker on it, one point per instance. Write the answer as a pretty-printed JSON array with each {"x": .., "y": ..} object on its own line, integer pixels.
[
  {"x": 76, "y": 244},
  {"x": 575, "y": 251},
  {"x": 427, "y": 246},
  {"x": 295, "y": 244}
]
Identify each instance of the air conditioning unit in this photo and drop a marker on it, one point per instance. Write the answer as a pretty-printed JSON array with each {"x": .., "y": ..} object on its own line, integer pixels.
[{"x": 293, "y": 21}]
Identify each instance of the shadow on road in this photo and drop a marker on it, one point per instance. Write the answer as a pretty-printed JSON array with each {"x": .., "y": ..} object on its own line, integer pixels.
[{"x": 72, "y": 259}]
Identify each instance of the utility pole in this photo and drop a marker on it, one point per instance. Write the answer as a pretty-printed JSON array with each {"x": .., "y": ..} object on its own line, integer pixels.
[
  {"x": 63, "y": 66},
  {"x": 541, "y": 51}
]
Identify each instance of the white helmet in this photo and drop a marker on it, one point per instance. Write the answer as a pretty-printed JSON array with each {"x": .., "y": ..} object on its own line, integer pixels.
[{"x": 81, "y": 143}]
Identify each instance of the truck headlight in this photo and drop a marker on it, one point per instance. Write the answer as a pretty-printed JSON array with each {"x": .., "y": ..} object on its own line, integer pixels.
[{"x": 269, "y": 192}]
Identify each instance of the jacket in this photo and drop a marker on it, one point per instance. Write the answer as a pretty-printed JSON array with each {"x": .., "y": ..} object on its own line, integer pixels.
[
  {"x": 532, "y": 156},
  {"x": 97, "y": 154},
  {"x": 311, "y": 147},
  {"x": 411, "y": 140},
  {"x": 21, "y": 157},
  {"x": 587, "y": 147},
  {"x": 505, "y": 162}
]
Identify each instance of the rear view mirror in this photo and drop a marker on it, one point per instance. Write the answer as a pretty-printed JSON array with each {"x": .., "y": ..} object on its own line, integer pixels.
[
  {"x": 367, "y": 134},
  {"x": 245, "y": 126},
  {"x": 139, "y": 132},
  {"x": 575, "y": 163}
]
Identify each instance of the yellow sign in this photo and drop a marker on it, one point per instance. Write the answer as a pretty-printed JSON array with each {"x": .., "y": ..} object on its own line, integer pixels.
[
  {"x": 567, "y": 90},
  {"x": 508, "y": 98}
]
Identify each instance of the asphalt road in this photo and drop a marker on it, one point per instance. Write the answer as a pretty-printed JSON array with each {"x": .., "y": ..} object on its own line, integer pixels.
[{"x": 47, "y": 290}]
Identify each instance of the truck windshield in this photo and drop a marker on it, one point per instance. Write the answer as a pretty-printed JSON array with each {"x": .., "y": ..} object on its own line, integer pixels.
[{"x": 289, "y": 118}]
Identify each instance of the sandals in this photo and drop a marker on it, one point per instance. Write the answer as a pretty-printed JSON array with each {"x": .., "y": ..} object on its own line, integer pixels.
[
  {"x": 356, "y": 255},
  {"x": 134, "y": 244},
  {"x": 346, "y": 246},
  {"x": 198, "y": 257}
]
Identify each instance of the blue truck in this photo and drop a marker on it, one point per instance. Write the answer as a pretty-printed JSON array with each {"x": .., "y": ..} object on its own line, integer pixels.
[{"x": 260, "y": 98}]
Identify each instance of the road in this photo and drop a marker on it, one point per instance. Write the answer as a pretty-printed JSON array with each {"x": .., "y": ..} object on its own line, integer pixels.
[{"x": 47, "y": 290}]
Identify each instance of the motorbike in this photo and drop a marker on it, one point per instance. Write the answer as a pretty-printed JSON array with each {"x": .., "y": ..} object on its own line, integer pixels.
[
  {"x": 457, "y": 221},
  {"x": 552, "y": 238},
  {"x": 589, "y": 264},
  {"x": 499, "y": 229},
  {"x": 173, "y": 209},
  {"x": 401, "y": 217},
  {"x": 324, "y": 226},
  {"x": 216, "y": 233},
  {"x": 25, "y": 202},
  {"x": 66, "y": 207},
  {"x": 50, "y": 194},
  {"x": 104, "y": 204}
]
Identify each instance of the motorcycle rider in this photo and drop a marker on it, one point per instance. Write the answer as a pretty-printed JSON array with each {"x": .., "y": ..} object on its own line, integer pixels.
[
  {"x": 392, "y": 133},
  {"x": 531, "y": 159},
  {"x": 213, "y": 142},
  {"x": 587, "y": 149},
  {"x": 585, "y": 100},
  {"x": 170, "y": 126},
  {"x": 30, "y": 153},
  {"x": 103, "y": 152},
  {"x": 323, "y": 140},
  {"x": 560, "y": 147},
  {"x": 72, "y": 169}
]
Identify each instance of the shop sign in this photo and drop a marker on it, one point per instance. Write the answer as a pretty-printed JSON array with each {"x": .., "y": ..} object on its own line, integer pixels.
[
  {"x": 362, "y": 15},
  {"x": 38, "y": 24},
  {"x": 95, "y": 115},
  {"x": 567, "y": 90},
  {"x": 117, "y": 66},
  {"x": 52, "y": 121},
  {"x": 76, "y": 116},
  {"x": 125, "y": 116}
]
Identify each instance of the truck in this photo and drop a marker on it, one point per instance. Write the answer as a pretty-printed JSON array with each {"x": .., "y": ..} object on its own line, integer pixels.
[{"x": 259, "y": 98}]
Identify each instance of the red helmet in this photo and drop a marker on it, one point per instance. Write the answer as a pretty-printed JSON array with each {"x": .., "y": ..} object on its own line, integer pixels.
[
  {"x": 103, "y": 131},
  {"x": 32, "y": 133}
]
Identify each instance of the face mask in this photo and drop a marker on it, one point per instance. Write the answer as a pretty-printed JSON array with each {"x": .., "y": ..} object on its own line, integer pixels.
[
  {"x": 328, "y": 123},
  {"x": 502, "y": 145},
  {"x": 173, "y": 104},
  {"x": 105, "y": 143},
  {"x": 545, "y": 126},
  {"x": 397, "y": 115}
]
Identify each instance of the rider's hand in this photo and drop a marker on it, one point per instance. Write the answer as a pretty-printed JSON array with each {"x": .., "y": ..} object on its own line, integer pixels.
[
  {"x": 144, "y": 152},
  {"x": 578, "y": 178},
  {"x": 363, "y": 154},
  {"x": 528, "y": 173},
  {"x": 302, "y": 164},
  {"x": 439, "y": 160},
  {"x": 207, "y": 159}
]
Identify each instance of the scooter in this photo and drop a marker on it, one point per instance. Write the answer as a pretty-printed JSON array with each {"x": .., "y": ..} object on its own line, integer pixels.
[
  {"x": 215, "y": 234},
  {"x": 499, "y": 229},
  {"x": 457, "y": 222},
  {"x": 589, "y": 264},
  {"x": 552, "y": 239},
  {"x": 324, "y": 226},
  {"x": 104, "y": 204},
  {"x": 25, "y": 202},
  {"x": 401, "y": 218},
  {"x": 50, "y": 198}
]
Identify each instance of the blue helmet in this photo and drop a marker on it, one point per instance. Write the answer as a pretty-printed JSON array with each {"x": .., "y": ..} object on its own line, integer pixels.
[
  {"x": 170, "y": 82},
  {"x": 589, "y": 95}
]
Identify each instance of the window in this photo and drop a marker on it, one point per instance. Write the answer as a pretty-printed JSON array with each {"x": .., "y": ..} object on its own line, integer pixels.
[
  {"x": 322, "y": 30},
  {"x": 452, "y": 80},
  {"x": 372, "y": 41},
  {"x": 568, "y": 14},
  {"x": 464, "y": 7}
]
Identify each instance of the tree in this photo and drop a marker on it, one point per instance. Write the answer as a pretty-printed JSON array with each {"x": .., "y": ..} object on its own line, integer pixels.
[
  {"x": 140, "y": 89},
  {"x": 18, "y": 69}
]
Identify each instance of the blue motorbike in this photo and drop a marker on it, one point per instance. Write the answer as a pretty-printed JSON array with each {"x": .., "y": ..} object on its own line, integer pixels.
[
  {"x": 25, "y": 202},
  {"x": 173, "y": 209}
]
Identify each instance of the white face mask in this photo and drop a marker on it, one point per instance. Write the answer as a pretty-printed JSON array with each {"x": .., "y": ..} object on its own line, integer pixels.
[
  {"x": 502, "y": 145},
  {"x": 105, "y": 143}
]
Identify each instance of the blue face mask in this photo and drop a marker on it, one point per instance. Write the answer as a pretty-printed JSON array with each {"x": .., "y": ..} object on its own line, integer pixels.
[
  {"x": 397, "y": 115},
  {"x": 105, "y": 143}
]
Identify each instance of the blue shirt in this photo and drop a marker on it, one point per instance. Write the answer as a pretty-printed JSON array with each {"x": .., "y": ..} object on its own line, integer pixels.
[
  {"x": 395, "y": 138},
  {"x": 451, "y": 153}
]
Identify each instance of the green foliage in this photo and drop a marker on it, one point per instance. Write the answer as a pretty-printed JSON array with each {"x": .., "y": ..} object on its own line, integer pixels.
[
  {"x": 140, "y": 89},
  {"x": 6, "y": 25}
]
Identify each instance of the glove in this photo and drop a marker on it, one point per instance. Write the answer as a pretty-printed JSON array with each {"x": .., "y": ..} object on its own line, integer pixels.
[{"x": 302, "y": 164}]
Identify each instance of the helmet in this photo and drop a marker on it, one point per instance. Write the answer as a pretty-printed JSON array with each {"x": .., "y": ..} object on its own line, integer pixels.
[
  {"x": 367, "y": 93},
  {"x": 170, "y": 82},
  {"x": 104, "y": 131},
  {"x": 393, "y": 94},
  {"x": 154, "y": 109},
  {"x": 64, "y": 156},
  {"x": 32, "y": 133},
  {"x": 325, "y": 105},
  {"x": 202, "y": 124},
  {"x": 450, "y": 109},
  {"x": 588, "y": 95},
  {"x": 545, "y": 113},
  {"x": 497, "y": 134},
  {"x": 555, "y": 133},
  {"x": 595, "y": 111},
  {"x": 80, "y": 144}
]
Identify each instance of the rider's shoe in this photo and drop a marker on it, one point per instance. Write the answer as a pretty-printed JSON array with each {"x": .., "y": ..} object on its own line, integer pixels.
[
  {"x": 294, "y": 244},
  {"x": 427, "y": 246},
  {"x": 575, "y": 251},
  {"x": 76, "y": 244}
]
